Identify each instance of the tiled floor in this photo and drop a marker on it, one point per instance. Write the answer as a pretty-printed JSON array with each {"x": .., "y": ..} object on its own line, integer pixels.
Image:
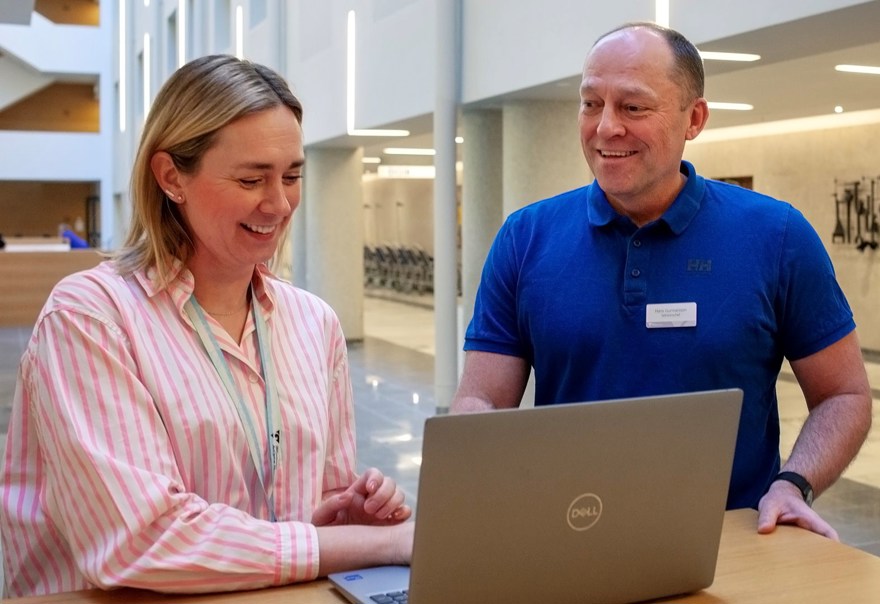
[{"x": 392, "y": 373}]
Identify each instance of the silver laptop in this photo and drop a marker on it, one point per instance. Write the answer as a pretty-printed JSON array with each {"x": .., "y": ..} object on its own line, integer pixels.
[{"x": 613, "y": 502}]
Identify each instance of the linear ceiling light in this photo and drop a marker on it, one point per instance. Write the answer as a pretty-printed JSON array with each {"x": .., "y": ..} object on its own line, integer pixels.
[
  {"x": 239, "y": 31},
  {"x": 869, "y": 69},
  {"x": 349, "y": 88},
  {"x": 123, "y": 96},
  {"x": 661, "y": 12},
  {"x": 148, "y": 67},
  {"x": 371, "y": 160},
  {"x": 728, "y": 56},
  {"x": 407, "y": 151},
  {"x": 181, "y": 33},
  {"x": 730, "y": 106}
]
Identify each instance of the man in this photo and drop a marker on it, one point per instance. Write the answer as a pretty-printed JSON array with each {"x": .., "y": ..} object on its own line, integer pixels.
[{"x": 579, "y": 286}]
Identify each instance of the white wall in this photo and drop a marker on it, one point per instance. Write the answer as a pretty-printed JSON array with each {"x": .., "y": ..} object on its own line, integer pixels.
[
  {"x": 509, "y": 46},
  {"x": 703, "y": 20}
]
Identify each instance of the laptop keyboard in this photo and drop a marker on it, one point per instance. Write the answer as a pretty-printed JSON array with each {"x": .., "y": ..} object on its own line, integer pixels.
[{"x": 392, "y": 597}]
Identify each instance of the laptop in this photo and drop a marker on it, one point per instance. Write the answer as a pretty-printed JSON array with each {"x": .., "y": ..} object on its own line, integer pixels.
[{"x": 603, "y": 502}]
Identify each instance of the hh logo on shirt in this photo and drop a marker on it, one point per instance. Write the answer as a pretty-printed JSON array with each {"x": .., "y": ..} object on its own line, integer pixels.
[{"x": 699, "y": 265}]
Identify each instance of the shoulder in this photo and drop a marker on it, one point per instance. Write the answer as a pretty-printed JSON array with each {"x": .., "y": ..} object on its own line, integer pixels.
[
  {"x": 756, "y": 209},
  {"x": 93, "y": 290}
]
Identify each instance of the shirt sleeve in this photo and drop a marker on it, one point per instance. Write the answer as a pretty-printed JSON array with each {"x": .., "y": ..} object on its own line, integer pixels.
[
  {"x": 813, "y": 309},
  {"x": 112, "y": 490},
  {"x": 339, "y": 469},
  {"x": 494, "y": 326}
]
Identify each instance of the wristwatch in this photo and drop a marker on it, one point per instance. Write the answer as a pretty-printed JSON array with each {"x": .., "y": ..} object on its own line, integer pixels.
[{"x": 800, "y": 482}]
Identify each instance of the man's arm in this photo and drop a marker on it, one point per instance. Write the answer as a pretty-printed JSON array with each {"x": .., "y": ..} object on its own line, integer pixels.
[
  {"x": 490, "y": 381},
  {"x": 835, "y": 385}
]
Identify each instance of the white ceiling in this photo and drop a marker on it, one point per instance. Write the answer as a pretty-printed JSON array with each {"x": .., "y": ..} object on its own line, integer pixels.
[{"x": 795, "y": 77}]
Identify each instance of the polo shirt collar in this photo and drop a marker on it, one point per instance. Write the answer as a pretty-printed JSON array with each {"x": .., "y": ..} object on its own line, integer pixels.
[{"x": 677, "y": 217}]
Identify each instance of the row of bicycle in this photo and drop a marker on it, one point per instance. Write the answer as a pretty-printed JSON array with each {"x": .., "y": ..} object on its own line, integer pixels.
[{"x": 401, "y": 268}]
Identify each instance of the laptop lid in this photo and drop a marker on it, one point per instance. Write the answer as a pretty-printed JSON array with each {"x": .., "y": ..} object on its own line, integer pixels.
[{"x": 613, "y": 501}]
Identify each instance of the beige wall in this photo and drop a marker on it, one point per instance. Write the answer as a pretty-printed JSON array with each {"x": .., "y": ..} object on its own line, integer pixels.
[
  {"x": 59, "y": 107},
  {"x": 399, "y": 212},
  {"x": 801, "y": 168},
  {"x": 35, "y": 209}
]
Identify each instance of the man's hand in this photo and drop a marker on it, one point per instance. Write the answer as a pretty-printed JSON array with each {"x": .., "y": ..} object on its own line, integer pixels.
[{"x": 784, "y": 504}]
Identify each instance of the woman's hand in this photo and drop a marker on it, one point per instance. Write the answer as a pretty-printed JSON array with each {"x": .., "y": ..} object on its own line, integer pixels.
[{"x": 373, "y": 499}]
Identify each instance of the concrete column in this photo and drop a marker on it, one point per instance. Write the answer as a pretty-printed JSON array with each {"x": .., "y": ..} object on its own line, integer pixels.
[
  {"x": 334, "y": 233},
  {"x": 481, "y": 198},
  {"x": 542, "y": 157},
  {"x": 542, "y": 152},
  {"x": 445, "y": 204},
  {"x": 298, "y": 241}
]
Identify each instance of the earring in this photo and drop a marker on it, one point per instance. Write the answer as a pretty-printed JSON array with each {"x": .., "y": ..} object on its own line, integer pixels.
[{"x": 169, "y": 194}]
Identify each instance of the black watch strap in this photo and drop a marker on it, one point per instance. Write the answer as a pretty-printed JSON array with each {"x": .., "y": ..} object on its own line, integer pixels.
[{"x": 800, "y": 482}]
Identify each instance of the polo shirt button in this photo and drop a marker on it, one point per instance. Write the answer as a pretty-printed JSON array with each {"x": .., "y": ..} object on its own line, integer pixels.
[
  {"x": 637, "y": 243},
  {"x": 253, "y": 378},
  {"x": 635, "y": 272}
]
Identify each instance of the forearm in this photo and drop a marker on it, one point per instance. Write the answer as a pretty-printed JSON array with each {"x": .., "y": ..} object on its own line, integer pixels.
[
  {"x": 196, "y": 548},
  {"x": 470, "y": 404},
  {"x": 354, "y": 546},
  {"x": 830, "y": 438}
]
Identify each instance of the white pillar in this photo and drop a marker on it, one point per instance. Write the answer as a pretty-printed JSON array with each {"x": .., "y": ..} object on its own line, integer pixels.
[
  {"x": 334, "y": 233},
  {"x": 446, "y": 205}
]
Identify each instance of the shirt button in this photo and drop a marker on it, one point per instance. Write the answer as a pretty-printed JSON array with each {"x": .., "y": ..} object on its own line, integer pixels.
[
  {"x": 637, "y": 243},
  {"x": 635, "y": 272},
  {"x": 253, "y": 379}
]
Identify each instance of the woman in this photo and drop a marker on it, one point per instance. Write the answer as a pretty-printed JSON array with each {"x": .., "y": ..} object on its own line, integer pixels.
[{"x": 183, "y": 420}]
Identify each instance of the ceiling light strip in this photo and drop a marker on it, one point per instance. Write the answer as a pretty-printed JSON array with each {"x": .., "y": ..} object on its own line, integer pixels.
[
  {"x": 710, "y": 55},
  {"x": 869, "y": 69}
]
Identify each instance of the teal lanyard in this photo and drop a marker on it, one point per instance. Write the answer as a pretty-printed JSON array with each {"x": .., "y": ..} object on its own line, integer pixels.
[{"x": 273, "y": 406}]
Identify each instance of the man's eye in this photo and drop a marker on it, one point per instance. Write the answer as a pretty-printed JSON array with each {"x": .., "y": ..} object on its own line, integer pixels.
[
  {"x": 249, "y": 182},
  {"x": 292, "y": 179},
  {"x": 634, "y": 108}
]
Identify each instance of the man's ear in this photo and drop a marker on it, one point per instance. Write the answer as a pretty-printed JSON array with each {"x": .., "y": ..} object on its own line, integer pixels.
[
  {"x": 167, "y": 175},
  {"x": 699, "y": 117}
]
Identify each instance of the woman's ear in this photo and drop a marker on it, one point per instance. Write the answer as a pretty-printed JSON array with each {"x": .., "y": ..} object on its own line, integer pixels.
[{"x": 167, "y": 175}]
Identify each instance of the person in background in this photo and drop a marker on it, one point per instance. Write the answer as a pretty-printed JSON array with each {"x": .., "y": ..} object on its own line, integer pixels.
[
  {"x": 183, "y": 419},
  {"x": 76, "y": 242},
  {"x": 655, "y": 280}
]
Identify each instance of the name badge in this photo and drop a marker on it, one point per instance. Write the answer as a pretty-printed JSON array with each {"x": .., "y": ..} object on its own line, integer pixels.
[{"x": 675, "y": 314}]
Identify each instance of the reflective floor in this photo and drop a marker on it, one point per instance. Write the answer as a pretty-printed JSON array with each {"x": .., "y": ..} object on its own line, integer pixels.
[{"x": 392, "y": 372}]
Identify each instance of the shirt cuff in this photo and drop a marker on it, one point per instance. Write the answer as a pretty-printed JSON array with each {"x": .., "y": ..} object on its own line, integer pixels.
[{"x": 298, "y": 555}]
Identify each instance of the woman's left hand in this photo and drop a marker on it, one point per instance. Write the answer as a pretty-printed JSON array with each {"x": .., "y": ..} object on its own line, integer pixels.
[{"x": 372, "y": 499}]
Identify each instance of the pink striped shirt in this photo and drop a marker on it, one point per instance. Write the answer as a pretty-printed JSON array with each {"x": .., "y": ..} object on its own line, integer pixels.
[{"x": 126, "y": 463}]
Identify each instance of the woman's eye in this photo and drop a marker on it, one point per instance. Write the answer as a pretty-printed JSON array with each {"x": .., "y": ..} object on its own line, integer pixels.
[
  {"x": 293, "y": 179},
  {"x": 249, "y": 182}
]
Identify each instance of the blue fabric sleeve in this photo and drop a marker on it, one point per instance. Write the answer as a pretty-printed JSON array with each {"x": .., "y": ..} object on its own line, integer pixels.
[{"x": 812, "y": 308}]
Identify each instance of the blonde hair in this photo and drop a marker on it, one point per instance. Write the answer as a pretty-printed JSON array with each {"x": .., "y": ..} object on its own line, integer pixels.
[{"x": 197, "y": 101}]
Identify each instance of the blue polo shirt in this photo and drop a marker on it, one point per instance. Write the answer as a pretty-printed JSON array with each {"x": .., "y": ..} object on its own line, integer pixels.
[{"x": 568, "y": 282}]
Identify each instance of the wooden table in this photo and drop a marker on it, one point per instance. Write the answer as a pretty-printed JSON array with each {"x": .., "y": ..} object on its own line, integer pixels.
[{"x": 791, "y": 566}]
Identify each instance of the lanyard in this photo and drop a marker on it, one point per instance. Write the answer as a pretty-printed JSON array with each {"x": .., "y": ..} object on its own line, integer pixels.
[{"x": 267, "y": 370}]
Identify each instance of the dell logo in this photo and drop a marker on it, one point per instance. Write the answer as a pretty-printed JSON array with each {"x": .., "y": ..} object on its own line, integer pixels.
[{"x": 584, "y": 512}]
